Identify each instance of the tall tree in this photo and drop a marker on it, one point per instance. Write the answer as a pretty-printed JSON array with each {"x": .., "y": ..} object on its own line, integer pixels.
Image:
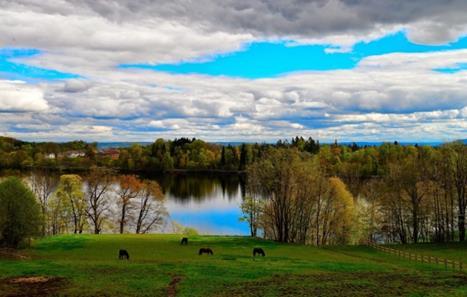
[
  {"x": 151, "y": 210},
  {"x": 459, "y": 159},
  {"x": 43, "y": 184},
  {"x": 129, "y": 188},
  {"x": 70, "y": 191},
  {"x": 99, "y": 183}
]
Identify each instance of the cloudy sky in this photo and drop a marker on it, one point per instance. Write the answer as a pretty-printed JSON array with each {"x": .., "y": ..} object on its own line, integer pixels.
[{"x": 233, "y": 70}]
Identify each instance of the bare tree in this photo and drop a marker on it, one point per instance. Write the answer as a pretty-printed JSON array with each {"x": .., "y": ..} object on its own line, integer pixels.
[
  {"x": 151, "y": 210},
  {"x": 99, "y": 182}
]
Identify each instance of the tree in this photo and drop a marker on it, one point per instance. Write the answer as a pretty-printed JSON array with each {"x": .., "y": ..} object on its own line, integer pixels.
[
  {"x": 252, "y": 207},
  {"x": 273, "y": 178},
  {"x": 459, "y": 166},
  {"x": 151, "y": 210},
  {"x": 69, "y": 191},
  {"x": 59, "y": 214},
  {"x": 340, "y": 215},
  {"x": 20, "y": 214},
  {"x": 43, "y": 184},
  {"x": 129, "y": 188},
  {"x": 99, "y": 182}
]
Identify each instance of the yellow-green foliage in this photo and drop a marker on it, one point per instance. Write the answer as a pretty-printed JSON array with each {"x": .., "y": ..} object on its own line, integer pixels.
[{"x": 343, "y": 217}]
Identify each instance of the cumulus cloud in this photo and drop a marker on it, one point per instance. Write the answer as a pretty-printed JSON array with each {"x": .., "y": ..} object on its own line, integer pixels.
[
  {"x": 428, "y": 21},
  {"x": 16, "y": 96}
]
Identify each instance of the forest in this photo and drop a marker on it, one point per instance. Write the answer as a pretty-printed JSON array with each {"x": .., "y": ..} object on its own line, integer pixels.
[
  {"x": 297, "y": 191},
  {"x": 340, "y": 195}
]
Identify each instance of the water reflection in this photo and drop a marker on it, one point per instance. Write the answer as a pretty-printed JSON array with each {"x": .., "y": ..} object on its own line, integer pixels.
[{"x": 209, "y": 203}]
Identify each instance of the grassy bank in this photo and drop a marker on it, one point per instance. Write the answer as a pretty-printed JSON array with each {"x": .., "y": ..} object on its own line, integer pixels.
[{"x": 88, "y": 265}]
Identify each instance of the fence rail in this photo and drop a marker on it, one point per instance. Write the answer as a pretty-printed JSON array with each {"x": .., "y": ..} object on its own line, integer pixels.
[{"x": 448, "y": 263}]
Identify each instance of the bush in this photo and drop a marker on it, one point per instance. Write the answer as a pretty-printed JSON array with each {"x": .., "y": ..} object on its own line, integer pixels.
[{"x": 20, "y": 216}]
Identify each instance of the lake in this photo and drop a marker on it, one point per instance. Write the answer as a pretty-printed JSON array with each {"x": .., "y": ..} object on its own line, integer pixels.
[{"x": 210, "y": 203}]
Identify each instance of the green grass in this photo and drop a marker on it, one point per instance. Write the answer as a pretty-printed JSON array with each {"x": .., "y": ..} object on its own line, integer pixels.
[
  {"x": 88, "y": 266},
  {"x": 451, "y": 250}
]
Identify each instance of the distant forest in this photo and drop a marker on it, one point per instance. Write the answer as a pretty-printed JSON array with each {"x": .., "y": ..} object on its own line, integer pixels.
[{"x": 162, "y": 155}]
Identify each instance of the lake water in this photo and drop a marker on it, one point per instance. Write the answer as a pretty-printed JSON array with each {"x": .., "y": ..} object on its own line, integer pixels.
[{"x": 208, "y": 203}]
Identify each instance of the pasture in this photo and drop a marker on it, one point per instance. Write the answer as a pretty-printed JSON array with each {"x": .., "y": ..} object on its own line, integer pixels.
[{"x": 88, "y": 265}]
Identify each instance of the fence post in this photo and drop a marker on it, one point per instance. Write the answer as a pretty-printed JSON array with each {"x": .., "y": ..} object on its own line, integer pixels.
[{"x": 446, "y": 264}]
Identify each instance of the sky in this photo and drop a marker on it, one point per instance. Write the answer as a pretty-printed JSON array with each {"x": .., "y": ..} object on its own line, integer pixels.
[{"x": 233, "y": 70}]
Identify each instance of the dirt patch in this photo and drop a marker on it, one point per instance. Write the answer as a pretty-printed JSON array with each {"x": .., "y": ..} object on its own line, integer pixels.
[
  {"x": 172, "y": 288},
  {"x": 31, "y": 286},
  {"x": 12, "y": 254},
  {"x": 361, "y": 284}
]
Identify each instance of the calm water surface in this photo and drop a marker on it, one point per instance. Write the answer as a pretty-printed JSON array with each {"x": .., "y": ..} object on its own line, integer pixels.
[{"x": 208, "y": 203}]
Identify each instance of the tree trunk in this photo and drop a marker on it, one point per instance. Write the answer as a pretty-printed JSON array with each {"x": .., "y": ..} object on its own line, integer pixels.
[{"x": 122, "y": 219}]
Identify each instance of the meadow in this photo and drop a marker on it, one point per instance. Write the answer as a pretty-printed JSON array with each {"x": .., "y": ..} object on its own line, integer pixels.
[{"x": 88, "y": 265}]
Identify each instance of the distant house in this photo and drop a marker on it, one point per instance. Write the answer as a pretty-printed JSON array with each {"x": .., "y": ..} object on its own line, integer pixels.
[
  {"x": 50, "y": 156},
  {"x": 114, "y": 154},
  {"x": 74, "y": 154}
]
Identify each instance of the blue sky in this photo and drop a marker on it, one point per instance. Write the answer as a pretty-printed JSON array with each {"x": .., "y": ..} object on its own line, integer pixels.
[
  {"x": 253, "y": 61},
  {"x": 270, "y": 59},
  {"x": 246, "y": 70},
  {"x": 11, "y": 68}
]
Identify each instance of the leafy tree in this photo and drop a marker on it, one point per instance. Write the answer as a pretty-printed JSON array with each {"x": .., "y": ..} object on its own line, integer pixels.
[
  {"x": 20, "y": 214},
  {"x": 69, "y": 191}
]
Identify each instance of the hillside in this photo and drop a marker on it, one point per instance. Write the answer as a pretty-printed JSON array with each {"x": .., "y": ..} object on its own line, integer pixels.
[{"x": 159, "y": 266}]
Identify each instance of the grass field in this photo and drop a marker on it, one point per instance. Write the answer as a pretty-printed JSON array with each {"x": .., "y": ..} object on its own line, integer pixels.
[
  {"x": 88, "y": 265},
  {"x": 452, "y": 250}
]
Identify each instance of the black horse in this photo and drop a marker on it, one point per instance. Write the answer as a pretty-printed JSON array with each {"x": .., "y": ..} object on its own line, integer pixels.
[
  {"x": 258, "y": 251},
  {"x": 123, "y": 254},
  {"x": 184, "y": 241},
  {"x": 205, "y": 251}
]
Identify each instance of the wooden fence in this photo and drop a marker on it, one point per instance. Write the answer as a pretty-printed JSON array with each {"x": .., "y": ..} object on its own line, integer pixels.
[{"x": 448, "y": 264}]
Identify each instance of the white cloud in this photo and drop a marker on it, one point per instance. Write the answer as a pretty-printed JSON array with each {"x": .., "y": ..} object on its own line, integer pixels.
[{"x": 16, "y": 96}]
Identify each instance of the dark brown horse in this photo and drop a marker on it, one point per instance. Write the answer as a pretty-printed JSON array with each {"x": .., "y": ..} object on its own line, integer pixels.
[
  {"x": 123, "y": 254},
  {"x": 258, "y": 251},
  {"x": 184, "y": 241},
  {"x": 205, "y": 251}
]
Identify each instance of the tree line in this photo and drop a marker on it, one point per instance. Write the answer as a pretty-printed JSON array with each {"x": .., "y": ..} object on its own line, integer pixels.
[
  {"x": 98, "y": 201},
  {"x": 349, "y": 194},
  {"x": 95, "y": 202},
  {"x": 162, "y": 155}
]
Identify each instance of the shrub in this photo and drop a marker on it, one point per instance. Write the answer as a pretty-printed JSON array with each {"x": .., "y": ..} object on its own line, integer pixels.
[{"x": 20, "y": 216}]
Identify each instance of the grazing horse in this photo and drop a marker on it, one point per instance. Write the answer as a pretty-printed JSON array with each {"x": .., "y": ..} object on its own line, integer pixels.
[
  {"x": 184, "y": 241},
  {"x": 258, "y": 251},
  {"x": 123, "y": 254},
  {"x": 205, "y": 251}
]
